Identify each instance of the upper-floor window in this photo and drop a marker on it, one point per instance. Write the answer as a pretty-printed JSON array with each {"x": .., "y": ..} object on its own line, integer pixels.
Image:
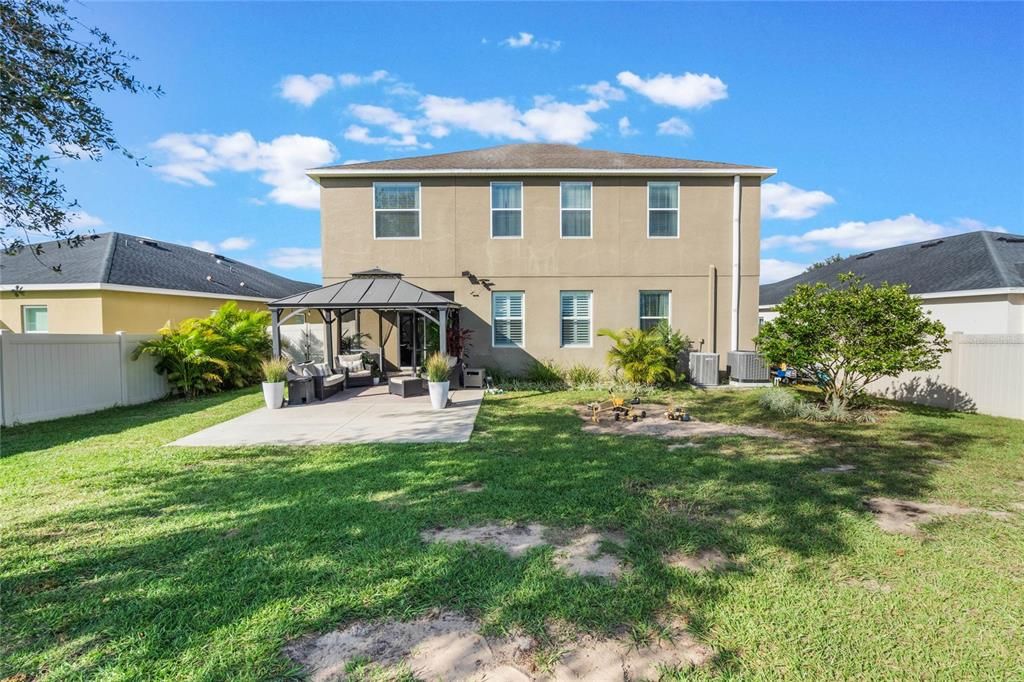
[
  {"x": 576, "y": 311},
  {"x": 576, "y": 204},
  {"x": 396, "y": 210},
  {"x": 506, "y": 210},
  {"x": 654, "y": 308},
  {"x": 508, "y": 318},
  {"x": 662, "y": 209},
  {"x": 34, "y": 319}
]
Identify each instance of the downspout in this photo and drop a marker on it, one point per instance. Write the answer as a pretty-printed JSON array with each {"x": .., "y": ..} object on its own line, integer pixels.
[{"x": 735, "y": 336}]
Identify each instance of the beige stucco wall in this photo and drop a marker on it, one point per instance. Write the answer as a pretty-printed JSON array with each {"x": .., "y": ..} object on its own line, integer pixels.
[
  {"x": 105, "y": 312},
  {"x": 616, "y": 263}
]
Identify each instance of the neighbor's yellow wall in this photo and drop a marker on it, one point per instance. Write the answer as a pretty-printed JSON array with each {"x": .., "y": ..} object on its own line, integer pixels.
[
  {"x": 68, "y": 312},
  {"x": 138, "y": 313}
]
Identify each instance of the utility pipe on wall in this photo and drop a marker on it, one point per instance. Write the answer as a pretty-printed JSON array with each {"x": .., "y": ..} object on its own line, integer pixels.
[{"x": 734, "y": 341}]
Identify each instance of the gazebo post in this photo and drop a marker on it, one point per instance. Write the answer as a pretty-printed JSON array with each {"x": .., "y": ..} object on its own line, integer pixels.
[
  {"x": 442, "y": 319},
  {"x": 275, "y": 332},
  {"x": 328, "y": 338}
]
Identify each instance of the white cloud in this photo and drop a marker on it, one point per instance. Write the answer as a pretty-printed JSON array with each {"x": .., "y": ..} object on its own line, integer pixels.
[
  {"x": 675, "y": 126},
  {"x": 229, "y": 244},
  {"x": 689, "y": 91},
  {"x": 362, "y": 135},
  {"x": 783, "y": 200},
  {"x": 305, "y": 90},
  {"x": 877, "y": 234},
  {"x": 348, "y": 80},
  {"x": 547, "y": 120},
  {"x": 404, "y": 128},
  {"x": 292, "y": 257},
  {"x": 524, "y": 39},
  {"x": 80, "y": 220},
  {"x": 606, "y": 91},
  {"x": 774, "y": 270},
  {"x": 626, "y": 129},
  {"x": 280, "y": 163}
]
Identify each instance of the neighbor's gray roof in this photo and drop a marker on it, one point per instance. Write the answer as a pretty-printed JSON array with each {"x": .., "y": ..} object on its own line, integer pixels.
[
  {"x": 116, "y": 258},
  {"x": 534, "y": 157},
  {"x": 373, "y": 289},
  {"x": 975, "y": 260}
]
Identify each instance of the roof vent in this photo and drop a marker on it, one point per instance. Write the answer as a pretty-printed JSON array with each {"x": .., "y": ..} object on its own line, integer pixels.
[
  {"x": 931, "y": 244},
  {"x": 149, "y": 242},
  {"x": 1010, "y": 240},
  {"x": 241, "y": 284},
  {"x": 209, "y": 278},
  {"x": 869, "y": 254}
]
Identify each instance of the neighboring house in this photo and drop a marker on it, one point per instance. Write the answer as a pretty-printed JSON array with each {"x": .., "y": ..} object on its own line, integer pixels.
[
  {"x": 118, "y": 282},
  {"x": 545, "y": 244},
  {"x": 972, "y": 283}
]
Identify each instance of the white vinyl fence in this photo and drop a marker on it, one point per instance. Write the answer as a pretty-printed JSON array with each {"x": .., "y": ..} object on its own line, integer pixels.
[
  {"x": 45, "y": 376},
  {"x": 981, "y": 373}
]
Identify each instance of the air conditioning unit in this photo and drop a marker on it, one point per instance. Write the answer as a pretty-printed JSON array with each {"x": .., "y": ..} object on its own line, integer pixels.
[
  {"x": 746, "y": 366},
  {"x": 704, "y": 369}
]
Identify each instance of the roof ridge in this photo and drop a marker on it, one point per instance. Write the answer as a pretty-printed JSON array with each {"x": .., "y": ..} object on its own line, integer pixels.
[
  {"x": 108, "y": 257},
  {"x": 996, "y": 258}
]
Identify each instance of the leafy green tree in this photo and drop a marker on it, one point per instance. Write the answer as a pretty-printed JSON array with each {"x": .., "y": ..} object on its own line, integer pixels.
[
  {"x": 834, "y": 258},
  {"x": 852, "y": 334},
  {"x": 643, "y": 357},
  {"x": 51, "y": 67}
]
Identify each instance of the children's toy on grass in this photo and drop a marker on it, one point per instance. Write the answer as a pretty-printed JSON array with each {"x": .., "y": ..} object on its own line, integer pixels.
[
  {"x": 616, "y": 408},
  {"x": 677, "y": 413}
]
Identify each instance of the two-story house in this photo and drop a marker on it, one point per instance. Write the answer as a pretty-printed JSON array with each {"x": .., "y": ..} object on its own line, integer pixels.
[{"x": 545, "y": 244}]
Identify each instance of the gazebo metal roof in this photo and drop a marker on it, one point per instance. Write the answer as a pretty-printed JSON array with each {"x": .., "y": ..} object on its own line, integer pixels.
[{"x": 374, "y": 289}]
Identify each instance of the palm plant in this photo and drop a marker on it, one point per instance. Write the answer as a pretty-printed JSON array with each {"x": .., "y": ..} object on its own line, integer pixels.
[
  {"x": 643, "y": 357},
  {"x": 190, "y": 356},
  {"x": 242, "y": 341}
]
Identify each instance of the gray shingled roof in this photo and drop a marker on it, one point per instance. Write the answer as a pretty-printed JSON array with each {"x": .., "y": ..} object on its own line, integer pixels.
[
  {"x": 116, "y": 258},
  {"x": 371, "y": 289},
  {"x": 975, "y": 260},
  {"x": 536, "y": 157}
]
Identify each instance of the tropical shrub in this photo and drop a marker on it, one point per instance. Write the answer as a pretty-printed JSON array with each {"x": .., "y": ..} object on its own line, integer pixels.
[
  {"x": 786, "y": 402},
  {"x": 852, "y": 334},
  {"x": 245, "y": 341},
  {"x": 646, "y": 357},
  {"x": 582, "y": 375}
]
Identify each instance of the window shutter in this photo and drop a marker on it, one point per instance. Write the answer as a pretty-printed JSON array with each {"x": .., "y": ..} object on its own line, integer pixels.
[{"x": 507, "y": 320}]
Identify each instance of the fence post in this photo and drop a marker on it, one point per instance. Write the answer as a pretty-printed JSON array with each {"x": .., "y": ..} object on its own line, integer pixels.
[
  {"x": 954, "y": 359},
  {"x": 122, "y": 372},
  {"x": 3, "y": 384}
]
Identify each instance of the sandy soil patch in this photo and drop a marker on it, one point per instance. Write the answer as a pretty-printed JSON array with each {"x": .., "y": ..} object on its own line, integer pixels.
[
  {"x": 444, "y": 645},
  {"x": 707, "y": 559},
  {"x": 578, "y": 551},
  {"x": 903, "y": 516},
  {"x": 838, "y": 469},
  {"x": 470, "y": 487},
  {"x": 656, "y": 425}
]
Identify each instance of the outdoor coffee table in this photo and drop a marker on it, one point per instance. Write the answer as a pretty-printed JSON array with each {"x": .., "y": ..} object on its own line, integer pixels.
[{"x": 406, "y": 387}]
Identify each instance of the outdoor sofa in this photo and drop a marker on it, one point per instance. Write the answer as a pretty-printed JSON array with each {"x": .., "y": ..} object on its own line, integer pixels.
[
  {"x": 325, "y": 382},
  {"x": 359, "y": 372}
]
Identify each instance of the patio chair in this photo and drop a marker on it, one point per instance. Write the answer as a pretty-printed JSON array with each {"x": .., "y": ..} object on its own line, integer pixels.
[
  {"x": 355, "y": 366},
  {"x": 325, "y": 382}
]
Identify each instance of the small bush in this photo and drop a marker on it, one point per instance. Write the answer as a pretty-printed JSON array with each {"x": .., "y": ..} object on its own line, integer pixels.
[
  {"x": 578, "y": 375},
  {"x": 780, "y": 400},
  {"x": 787, "y": 403},
  {"x": 545, "y": 372}
]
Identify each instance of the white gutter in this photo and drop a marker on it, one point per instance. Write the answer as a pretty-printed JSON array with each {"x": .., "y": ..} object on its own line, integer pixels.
[
  {"x": 316, "y": 173},
  {"x": 734, "y": 342},
  {"x": 93, "y": 286}
]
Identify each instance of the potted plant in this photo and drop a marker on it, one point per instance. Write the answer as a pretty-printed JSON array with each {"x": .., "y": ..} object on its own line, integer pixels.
[
  {"x": 274, "y": 374},
  {"x": 437, "y": 380}
]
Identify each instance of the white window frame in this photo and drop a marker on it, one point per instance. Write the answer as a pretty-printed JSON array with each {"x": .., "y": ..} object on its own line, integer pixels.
[
  {"x": 640, "y": 312},
  {"x": 561, "y": 320},
  {"x": 522, "y": 205},
  {"x": 24, "y": 319},
  {"x": 417, "y": 210},
  {"x": 521, "y": 318},
  {"x": 561, "y": 210},
  {"x": 679, "y": 226}
]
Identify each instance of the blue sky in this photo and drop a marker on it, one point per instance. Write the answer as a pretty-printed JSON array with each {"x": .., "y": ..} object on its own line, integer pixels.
[{"x": 888, "y": 123}]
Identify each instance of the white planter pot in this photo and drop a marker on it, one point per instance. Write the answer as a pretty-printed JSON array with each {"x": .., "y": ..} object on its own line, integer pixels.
[
  {"x": 376, "y": 380},
  {"x": 273, "y": 394},
  {"x": 438, "y": 394}
]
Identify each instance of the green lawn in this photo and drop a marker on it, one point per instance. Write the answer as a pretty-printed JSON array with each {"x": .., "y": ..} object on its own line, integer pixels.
[{"x": 122, "y": 559}]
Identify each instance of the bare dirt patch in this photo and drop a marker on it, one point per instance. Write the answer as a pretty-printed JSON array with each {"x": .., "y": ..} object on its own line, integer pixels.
[
  {"x": 838, "y": 469},
  {"x": 444, "y": 645},
  {"x": 580, "y": 551},
  {"x": 707, "y": 559},
  {"x": 904, "y": 517},
  {"x": 470, "y": 487},
  {"x": 656, "y": 425}
]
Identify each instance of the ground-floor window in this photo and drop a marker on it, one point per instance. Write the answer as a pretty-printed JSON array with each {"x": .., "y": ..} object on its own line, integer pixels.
[
  {"x": 508, "y": 318},
  {"x": 34, "y": 319},
  {"x": 576, "y": 310},
  {"x": 654, "y": 308}
]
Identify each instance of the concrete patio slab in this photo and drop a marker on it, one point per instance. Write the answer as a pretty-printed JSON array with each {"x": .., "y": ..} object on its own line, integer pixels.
[{"x": 358, "y": 415}]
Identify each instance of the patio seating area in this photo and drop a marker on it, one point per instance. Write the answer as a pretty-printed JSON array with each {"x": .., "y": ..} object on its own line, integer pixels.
[{"x": 369, "y": 414}]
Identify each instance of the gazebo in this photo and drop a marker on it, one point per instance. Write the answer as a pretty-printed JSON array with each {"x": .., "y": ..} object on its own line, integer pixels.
[{"x": 374, "y": 289}]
